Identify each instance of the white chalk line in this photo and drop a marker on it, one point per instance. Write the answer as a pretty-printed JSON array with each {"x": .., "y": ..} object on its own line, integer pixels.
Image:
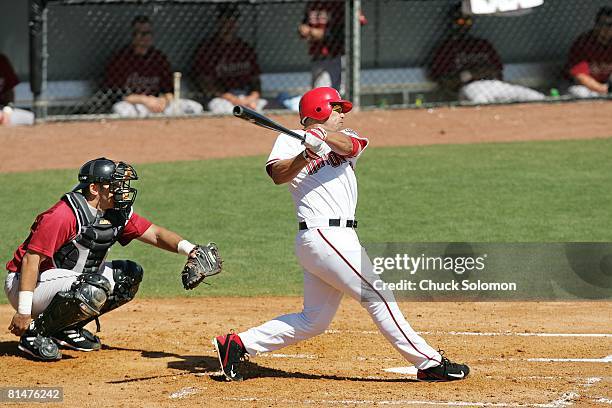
[
  {"x": 379, "y": 402},
  {"x": 184, "y": 392},
  {"x": 298, "y": 356},
  {"x": 566, "y": 399},
  {"x": 607, "y": 359},
  {"x": 488, "y": 334}
]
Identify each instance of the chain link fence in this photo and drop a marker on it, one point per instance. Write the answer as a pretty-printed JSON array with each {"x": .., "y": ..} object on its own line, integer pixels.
[{"x": 135, "y": 59}]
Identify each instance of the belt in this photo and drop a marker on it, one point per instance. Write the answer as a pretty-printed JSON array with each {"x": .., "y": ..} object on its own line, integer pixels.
[{"x": 332, "y": 222}]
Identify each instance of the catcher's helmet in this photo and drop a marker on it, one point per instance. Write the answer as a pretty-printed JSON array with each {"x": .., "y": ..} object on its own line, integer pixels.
[
  {"x": 317, "y": 103},
  {"x": 117, "y": 174}
]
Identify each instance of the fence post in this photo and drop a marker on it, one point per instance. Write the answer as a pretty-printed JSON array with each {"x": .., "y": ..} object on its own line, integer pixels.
[
  {"x": 38, "y": 56},
  {"x": 353, "y": 50}
]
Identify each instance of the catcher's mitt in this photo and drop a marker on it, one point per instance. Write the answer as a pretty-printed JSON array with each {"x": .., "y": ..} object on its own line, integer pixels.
[{"x": 205, "y": 262}]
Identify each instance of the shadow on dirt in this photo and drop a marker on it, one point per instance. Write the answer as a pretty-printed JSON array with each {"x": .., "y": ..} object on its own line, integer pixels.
[
  {"x": 209, "y": 366},
  {"x": 9, "y": 349}
]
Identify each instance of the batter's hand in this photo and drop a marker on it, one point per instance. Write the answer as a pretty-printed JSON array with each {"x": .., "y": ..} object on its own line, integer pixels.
[
  {"x": 315, "y": 140},
  {"x": 19, "y": 324}
]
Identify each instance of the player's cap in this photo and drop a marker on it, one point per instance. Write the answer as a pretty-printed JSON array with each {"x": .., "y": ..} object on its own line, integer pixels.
[{"x": 318, "y": 103}]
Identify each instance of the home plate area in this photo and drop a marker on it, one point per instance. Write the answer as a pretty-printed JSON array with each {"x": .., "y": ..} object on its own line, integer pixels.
[{"x": 518, "y": 352}]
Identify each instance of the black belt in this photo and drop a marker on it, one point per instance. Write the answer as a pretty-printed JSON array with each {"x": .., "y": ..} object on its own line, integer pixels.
[{"x": 333, "y": 222}]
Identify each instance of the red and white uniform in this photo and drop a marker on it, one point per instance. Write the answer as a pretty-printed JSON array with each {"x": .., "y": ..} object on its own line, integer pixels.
[
  {"x": 232, "y": 66},
  {"x": 148, "y": 74},
  {"x": 477, "y": 69},
  {"x": 49, "y": 232},
  {"x": 8, "y": 78},
  {"x": 333, "y": 260},
  {"x": 589, "y": 56}
]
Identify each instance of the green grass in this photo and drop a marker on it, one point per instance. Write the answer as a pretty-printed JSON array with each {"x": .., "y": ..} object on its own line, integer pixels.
[{"x": 534, "y": 191}]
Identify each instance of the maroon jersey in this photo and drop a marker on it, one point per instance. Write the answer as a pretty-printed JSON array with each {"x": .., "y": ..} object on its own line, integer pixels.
[
  {"x": 8, "y": 78},
  {"x": 56, "y": 226},
  {"x": 589, "y": 56},
  {"x": 328, "y": 15},
  {"x": 232, "y": 66},
  {"x": 465, "y": 54},
  {"x": 148, "y": 74}
]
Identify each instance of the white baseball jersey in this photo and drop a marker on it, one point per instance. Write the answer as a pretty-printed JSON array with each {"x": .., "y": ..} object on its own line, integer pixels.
[{"x": 326, "y": 187}]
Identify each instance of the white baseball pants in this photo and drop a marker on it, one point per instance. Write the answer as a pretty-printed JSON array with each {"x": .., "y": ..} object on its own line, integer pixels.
[
  {"x": 175, "y": 107},
  {"x": 222, "y": 106},
  {"x": 489, "y": 91},
  {"x": 333, "y": 265},
  {"x": 49, "y": 283},
  {"x": 581, "y": 91}
]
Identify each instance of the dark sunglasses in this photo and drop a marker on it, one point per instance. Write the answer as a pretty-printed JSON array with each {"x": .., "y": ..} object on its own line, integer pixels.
[{"x": 143, "y": 33}]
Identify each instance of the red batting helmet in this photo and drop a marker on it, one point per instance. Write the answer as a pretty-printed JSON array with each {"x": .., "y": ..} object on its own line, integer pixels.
[{"x": 317, "y": 103}]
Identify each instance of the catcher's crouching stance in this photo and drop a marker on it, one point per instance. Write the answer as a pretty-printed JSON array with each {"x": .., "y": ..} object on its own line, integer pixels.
[{"x": 59, "y": 276}]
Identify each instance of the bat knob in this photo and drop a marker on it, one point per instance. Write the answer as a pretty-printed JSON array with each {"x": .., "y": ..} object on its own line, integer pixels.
[{"x": 238, "y": 110}]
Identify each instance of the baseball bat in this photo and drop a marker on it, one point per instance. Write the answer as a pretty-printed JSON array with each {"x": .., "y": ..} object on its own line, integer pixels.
[
  {"x": 258, "y": 119},
  {"x": 177, "y": 93}
]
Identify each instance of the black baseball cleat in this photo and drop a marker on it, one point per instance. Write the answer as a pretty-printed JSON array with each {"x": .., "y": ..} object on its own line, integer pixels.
[
  {"x": 39, "y": 347},
  {"x": 231, "y": 353},
  {"x": 447, "y": 371},
  {"x": 77, "y": 338}
]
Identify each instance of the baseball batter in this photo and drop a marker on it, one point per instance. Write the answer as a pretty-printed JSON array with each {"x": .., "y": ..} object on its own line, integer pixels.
[
  {"x": 321, "y": 178},
  {"x": 59, "y": 278}
]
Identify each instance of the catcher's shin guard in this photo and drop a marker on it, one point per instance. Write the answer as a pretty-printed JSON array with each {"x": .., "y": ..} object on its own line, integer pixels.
[
  {"x": 127, "y": 275},
  {"x": 83, "y": 301}
]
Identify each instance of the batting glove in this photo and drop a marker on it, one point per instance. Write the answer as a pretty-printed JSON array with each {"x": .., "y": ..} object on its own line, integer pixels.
[{"x": 315, "y": 140}]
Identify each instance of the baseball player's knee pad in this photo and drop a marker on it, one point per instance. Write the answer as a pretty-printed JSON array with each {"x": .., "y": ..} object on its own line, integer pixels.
[
  {"x": 127, "y": 275},
  {"x": 83, "y": 301}
]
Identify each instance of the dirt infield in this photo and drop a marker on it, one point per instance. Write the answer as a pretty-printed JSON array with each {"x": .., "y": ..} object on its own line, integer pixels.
[
  {"x": 68, "y": 145},
  {"x": 158, "y": 353}
]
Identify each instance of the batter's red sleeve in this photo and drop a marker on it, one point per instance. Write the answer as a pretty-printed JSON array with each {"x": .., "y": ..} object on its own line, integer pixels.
[{"x": 358, "y": 146}]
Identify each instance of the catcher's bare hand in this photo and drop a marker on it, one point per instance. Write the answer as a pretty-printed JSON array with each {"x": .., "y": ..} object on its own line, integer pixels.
[
  {"x": 203, "y": 261},
  {"x": 19, "y": 324}
]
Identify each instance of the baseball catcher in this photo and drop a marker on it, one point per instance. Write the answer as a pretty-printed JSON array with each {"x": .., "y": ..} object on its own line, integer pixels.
[{"x": 59, "y": 279}]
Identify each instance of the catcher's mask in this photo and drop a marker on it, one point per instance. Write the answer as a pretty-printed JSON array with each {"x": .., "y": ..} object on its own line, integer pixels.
[
  {"x": 117, "y": 174},
  {"x": 318, "y": 104}
]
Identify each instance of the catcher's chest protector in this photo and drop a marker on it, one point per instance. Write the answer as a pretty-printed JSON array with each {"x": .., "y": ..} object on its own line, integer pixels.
[{"x": 95, "y": 235}]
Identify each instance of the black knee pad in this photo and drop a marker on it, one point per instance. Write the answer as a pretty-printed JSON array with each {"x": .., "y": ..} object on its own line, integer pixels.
[
  {"x": 127, "y": 275},
  {"x": 83, "y": 301}
]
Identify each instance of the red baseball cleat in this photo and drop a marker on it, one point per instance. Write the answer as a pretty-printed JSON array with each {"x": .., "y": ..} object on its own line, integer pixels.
[{"x": 231, "y": 353}]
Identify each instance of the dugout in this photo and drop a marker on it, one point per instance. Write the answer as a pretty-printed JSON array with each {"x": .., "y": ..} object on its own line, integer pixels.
[{"x": 60, "y": 55}]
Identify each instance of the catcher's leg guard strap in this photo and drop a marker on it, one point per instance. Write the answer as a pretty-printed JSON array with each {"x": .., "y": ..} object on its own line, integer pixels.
[{"x": 83, "y": 301}]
